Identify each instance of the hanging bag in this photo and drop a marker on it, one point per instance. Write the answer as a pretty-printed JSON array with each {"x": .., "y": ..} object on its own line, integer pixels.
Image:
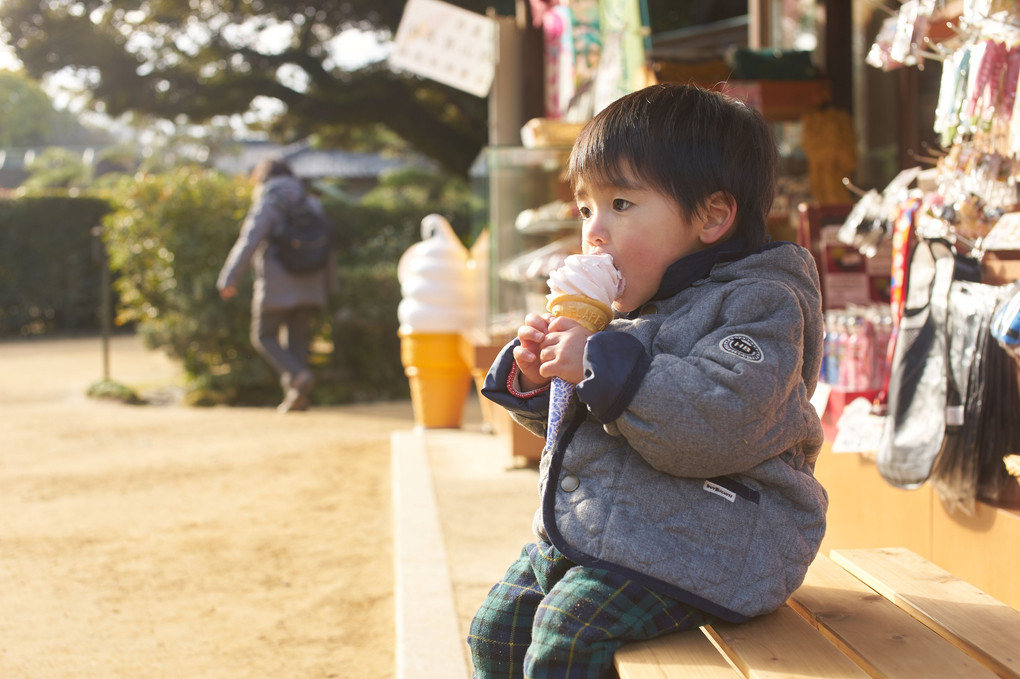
[
  {"x": 954, "y": 475},
  {"x": 916, "y": 422}
]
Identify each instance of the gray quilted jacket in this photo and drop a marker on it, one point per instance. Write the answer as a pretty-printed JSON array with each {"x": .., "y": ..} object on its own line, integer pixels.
[
  {"x": 688, "y": 463},
  {"x": 275, "y": 288}
]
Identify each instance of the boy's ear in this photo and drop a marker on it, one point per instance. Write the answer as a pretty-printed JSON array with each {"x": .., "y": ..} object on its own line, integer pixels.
[{"x": 720, "y": 213}]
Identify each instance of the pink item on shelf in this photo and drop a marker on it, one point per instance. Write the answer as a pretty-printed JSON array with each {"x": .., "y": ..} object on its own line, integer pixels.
[
  {"x": 557, "y": 33},
  {"x": 985, "y": 78},
  {"x": 538, "y": 10},
  {"x": 1009, "y": 83}
]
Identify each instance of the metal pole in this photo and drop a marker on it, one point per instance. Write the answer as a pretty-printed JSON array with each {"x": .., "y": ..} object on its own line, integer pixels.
[{"x": 104, "y": 298}]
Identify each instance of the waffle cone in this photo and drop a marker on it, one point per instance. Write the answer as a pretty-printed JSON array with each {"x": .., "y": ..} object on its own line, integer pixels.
[
  {"x": 438, "y": 376},
  {"x": 591, "y": 313}
]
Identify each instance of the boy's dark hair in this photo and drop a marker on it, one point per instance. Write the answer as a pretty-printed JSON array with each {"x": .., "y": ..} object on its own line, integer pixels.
[{"x": 687, "y": 143}]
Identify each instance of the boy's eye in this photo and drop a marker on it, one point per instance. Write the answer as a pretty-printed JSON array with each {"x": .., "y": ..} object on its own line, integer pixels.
[
  {"x": 584, "y": 212},
  {"x": 621, "y": 204}
]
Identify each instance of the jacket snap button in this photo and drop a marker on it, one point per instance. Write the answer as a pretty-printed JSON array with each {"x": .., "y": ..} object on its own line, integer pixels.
[{"x": 569, "y": 483}]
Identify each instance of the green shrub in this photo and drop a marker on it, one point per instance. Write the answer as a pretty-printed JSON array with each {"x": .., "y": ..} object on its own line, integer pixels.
[
  {"x": 167, "y": 239},
  {"x": 170, "y": 234},
  {"x": 365, "y": 362},
  {"x": 114, "y": 391}
]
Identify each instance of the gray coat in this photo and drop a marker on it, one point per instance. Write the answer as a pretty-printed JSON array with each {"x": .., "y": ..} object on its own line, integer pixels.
[
  {"x": 276, "y": 289},
  {"x": 701, "y": 483}
]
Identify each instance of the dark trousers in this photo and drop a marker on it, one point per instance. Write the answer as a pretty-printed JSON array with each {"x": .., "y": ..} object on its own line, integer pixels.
[
  {"x": 288, "y": 356},
  {"x": 550, "y": 618}
]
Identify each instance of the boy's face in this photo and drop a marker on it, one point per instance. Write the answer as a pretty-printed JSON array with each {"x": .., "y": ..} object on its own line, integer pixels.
[{"x": 641, "y": 228}]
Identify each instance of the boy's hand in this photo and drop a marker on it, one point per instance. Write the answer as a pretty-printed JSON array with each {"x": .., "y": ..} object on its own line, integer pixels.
[
  {"x": 562, "y": 352},
  {"x": 532, "y": 334}
]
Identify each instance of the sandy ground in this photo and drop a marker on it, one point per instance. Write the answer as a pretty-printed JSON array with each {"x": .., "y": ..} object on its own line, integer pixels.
[{"x": 166, "y": 541}]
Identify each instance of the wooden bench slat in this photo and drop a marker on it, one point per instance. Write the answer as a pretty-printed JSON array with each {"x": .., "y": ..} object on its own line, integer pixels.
[
  {"x": 688, "y": 654},
  {"x": 879, "y": 636},
  {"x": 782, "y": 645},
  {"x": 977, "y": 623}
]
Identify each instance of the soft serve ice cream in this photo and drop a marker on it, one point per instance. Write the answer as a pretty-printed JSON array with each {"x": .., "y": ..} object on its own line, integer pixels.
[
  {"x": 435, "y": 282},
  {"x": 584, "y": 289}
]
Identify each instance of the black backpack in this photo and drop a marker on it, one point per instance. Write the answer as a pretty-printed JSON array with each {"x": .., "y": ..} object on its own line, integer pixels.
[{"x": 305, "y": 240}]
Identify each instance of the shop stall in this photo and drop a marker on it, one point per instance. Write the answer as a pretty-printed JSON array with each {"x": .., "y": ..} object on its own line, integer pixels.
[
  {"x": 590, "y": 54},
  {"x": 919, "y": 387},
  {"x": 899, "y": 137}
]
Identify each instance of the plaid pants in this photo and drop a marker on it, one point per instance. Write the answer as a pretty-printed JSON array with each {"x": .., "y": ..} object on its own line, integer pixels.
[{"x": 550, "y": 618}]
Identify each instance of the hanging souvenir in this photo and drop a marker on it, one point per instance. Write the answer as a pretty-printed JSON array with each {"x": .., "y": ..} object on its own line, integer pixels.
[
  {"x": 952, "y": 91},
  {"x": 558, "y": 36}
]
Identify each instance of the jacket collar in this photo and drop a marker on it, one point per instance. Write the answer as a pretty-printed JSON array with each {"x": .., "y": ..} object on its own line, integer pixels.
[{"x": 682, "y": 273}]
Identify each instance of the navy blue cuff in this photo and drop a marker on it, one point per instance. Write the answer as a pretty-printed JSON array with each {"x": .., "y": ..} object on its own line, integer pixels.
[
  {"x": 498, "y": 386},
  {"x": 614, "y": 366}
]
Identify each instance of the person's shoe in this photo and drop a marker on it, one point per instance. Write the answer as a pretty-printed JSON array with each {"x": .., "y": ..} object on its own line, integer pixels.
[
  {"x": 293, "y": 402},
  {"x": 298, "y": 392}
]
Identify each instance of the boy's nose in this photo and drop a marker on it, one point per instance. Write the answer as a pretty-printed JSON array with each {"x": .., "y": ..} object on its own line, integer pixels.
[{"x": 593, "y": 234}]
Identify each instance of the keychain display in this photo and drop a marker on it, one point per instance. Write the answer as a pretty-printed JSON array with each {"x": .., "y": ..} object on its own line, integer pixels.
[
  {"x": 868, "y": 223},
  {"x": 945, "y": 358}
]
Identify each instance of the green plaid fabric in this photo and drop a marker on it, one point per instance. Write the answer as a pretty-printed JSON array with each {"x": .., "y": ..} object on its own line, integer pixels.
[{"x": 550, "y": 618}]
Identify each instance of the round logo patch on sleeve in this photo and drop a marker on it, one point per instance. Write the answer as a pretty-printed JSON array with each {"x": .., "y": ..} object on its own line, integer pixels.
[{"x": 743, "y": 347}]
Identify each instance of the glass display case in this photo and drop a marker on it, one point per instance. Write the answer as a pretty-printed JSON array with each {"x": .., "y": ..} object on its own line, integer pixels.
[{"x": 532, "y": 224}]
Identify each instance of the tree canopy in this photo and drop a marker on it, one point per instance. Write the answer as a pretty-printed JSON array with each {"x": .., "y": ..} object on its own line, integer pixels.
[
  {"x": 29, "y": 118},
  {"x": 195, "y": 60},
  {"x": 25, "y": 111}
]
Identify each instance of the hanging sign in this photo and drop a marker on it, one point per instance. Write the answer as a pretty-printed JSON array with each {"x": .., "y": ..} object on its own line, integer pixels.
[{"x": 447, "y": 44}]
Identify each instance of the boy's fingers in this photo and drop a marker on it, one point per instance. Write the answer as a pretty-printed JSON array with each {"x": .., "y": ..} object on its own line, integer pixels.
[
  {"x": 527, "y": 334},
  {"x": 539, "y": 323},
  {"x": 563, "y": 324}
]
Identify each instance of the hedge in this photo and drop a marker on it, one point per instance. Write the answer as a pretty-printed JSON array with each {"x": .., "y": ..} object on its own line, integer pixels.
[{"x": 50, "y": 264}]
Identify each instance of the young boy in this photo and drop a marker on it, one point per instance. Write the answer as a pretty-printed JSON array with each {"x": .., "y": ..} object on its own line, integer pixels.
[{"x": 681, "y": 489}]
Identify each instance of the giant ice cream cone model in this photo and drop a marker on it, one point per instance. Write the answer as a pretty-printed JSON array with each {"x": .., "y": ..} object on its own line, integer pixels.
[
  {"x": 435, "y": 308},
  {"x": 438, "y": 377},
  {"x": 583, "y": 289}
]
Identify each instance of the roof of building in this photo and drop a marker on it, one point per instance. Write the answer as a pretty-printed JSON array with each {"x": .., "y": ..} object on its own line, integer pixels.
[
  {"x": 307, "y": 162},
  {"x": 315, "y": 163}
]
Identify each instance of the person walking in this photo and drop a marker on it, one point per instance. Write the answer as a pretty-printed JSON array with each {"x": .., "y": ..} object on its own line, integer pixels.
[{"x": 284, "y": 303}]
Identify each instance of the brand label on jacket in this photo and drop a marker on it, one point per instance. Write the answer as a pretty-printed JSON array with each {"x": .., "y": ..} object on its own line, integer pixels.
[
  {"x": 743, "y": 347},
  {"x": 716, "y": 489}
]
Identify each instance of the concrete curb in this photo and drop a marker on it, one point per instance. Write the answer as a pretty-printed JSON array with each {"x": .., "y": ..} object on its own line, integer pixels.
[{"x": 428, "y": 639}]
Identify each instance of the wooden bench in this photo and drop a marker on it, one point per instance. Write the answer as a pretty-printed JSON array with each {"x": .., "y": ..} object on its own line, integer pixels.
[{"x": 860, "y": 613}]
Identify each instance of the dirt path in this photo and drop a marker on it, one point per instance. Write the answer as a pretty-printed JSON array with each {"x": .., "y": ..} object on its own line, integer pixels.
[{"x": 164, "y": 541}]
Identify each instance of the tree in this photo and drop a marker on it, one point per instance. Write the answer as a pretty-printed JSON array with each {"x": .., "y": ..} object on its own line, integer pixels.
[
  {"x": 192, "y": 62},
  {"x": 29, "y": 118},
  {"x": 26, "y": 113}
]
